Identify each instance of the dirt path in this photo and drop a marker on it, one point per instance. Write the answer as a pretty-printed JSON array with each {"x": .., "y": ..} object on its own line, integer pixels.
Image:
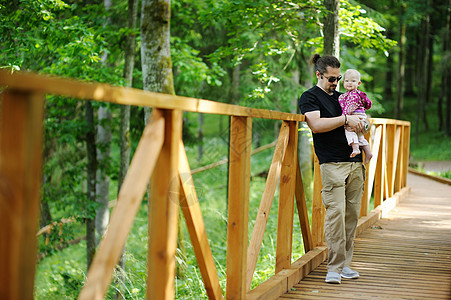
[{"x": 436, "y": 166}]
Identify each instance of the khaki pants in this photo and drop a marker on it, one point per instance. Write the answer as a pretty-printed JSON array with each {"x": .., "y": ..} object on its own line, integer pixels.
[{"x": 342, "y": 191}]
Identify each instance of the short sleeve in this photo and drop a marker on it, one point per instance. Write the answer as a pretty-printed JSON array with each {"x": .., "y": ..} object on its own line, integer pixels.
[{"x": 308, "y": 102}]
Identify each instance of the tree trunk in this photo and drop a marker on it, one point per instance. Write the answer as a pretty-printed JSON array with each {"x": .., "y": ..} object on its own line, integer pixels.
[
  {"x": 401, "y": 65},
  {"x": 156, "y": 60},
  {"x": 155, "y": 48},
  {"x": 200, "y": 137},
  {"x": 446, "y": 74},
  {"x": 236, "y": 84},
  {"x": 91, "y": 192},
  {"x": 425, "y": 69},
  {"x": 305, "y": 137},
  {"x": 430, "y": 65},
  {"x": 331, "y": 34},
  {"x": 410, "y": 69},
  {"x": 103, "y": 157},
  {"x": 388, "y": 90},
  {"x": 124, "y": 128},
  {"x": 46, "y": 216},
  {"x": 421, "y": 79},
  {"x": 103, "y": 179}
]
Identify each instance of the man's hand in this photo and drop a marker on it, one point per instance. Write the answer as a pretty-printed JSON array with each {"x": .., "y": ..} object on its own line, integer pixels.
[{"x": 356, "y": 123}]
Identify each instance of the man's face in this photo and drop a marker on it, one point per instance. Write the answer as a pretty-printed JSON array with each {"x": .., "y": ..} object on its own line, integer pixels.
[{"x": 325, "y": 78}]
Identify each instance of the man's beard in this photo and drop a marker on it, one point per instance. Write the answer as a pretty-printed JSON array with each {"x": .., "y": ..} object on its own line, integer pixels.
[{"x": 332, "y": 88}]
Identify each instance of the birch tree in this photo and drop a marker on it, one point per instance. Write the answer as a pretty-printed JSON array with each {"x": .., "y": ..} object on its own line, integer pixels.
[
  {"x": 92, "y": 167},
  {"x": 103, "y": 156},
  {"x": 124, "y": 128}
]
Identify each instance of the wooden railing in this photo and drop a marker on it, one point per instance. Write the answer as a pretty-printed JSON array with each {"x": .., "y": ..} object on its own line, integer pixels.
[{"x": 161, "y": 148}]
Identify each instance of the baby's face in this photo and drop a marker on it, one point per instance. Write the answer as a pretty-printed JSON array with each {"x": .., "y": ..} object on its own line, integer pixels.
[{"x": 351, "y": 82}]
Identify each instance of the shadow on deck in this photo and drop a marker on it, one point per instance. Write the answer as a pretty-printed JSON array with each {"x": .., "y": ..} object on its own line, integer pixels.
[{"x": 405, "y": 255}]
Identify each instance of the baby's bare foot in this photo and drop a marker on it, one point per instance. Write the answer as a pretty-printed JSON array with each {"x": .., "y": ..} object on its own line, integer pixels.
[
  {"x": 368, "y": 158},
  {"x": 354, "y": 153}
]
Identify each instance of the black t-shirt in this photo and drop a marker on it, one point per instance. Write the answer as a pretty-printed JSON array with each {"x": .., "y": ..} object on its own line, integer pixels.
[{"x": 330, "y": 146}]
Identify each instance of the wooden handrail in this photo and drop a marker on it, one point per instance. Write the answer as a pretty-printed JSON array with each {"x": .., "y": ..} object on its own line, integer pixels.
[
  {"x": 128, "y": 96},
  {"x": 161, "y": 148}
]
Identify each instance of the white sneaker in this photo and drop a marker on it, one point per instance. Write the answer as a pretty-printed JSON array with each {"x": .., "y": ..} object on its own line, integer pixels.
[
  {"x": 333, "y": 277},
  {"x": 349, "y": 273}
]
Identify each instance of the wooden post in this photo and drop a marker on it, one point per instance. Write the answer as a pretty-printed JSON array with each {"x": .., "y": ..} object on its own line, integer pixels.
[
  {"x": 390, "y": 160},
  {"x": 365, "y": 199},
  {"x": 397, "y": 161},
  {"x": 318, "y": 209},
  {"x": 372, "y": 168},
  {"x": 286, "y": 201},
  {"x": 163, "y": 212},
  {"x": 21, "y": 134},
  {"x": 302, "y": 210},
  {"x": 237, "y": 227},
  {"x": 379, "y": 181},
  {"x": 405, "y": 150}
]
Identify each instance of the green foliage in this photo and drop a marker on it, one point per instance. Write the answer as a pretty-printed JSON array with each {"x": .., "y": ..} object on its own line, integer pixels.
[{"x": 360, "y": 30}]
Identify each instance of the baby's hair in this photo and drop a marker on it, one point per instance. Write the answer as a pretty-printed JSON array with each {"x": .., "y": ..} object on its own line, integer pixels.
[{"x": 351, "y": 71}]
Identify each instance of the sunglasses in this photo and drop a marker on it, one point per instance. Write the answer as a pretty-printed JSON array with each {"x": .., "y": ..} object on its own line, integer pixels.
[{"x": 332, "y": 79}]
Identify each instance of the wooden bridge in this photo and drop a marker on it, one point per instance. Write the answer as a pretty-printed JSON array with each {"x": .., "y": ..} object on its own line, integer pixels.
[
  {"x": 161, "y": 148},
  {"x": 405, "y": 255}
]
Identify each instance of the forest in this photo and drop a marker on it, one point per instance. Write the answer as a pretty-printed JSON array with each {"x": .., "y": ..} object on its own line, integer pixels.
[{"x": 245, "y": 52}]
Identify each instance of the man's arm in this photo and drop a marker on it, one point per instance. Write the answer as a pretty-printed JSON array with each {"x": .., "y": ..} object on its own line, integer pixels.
[{"x": 319, "y": 125}]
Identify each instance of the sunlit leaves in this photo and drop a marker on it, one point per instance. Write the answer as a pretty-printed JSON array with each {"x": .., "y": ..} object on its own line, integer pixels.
[{"x": 361, "y": 30}]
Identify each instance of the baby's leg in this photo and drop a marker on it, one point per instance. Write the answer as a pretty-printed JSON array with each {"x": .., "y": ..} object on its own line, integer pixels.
[
  {"x": 355, "y": 149},
  {"x": 353, "y": 141},
  {"x": 368, "y": 154}
]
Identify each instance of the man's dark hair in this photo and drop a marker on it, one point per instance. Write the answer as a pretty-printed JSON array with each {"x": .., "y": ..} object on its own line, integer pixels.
[{"x": 321, "y": 63}]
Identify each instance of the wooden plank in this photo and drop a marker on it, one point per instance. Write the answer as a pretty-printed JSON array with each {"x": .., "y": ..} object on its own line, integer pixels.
[
  {"x": 405, "y": 155},
  {"x": 302, "y": 210},
  {"x": 365, "y": 201},
  {"x": 163, "y": 212},
  {"x": 306, "y": 264},
  {"x": 318, "y": 210},
  {"x": 272, "y": 288},
  {"x": 396, "y": 154},
  {"x": 287, "y": 188},
  {"x": 399, "y": 166},
  {"x": 390, "y": 160},
  {"x": 129, "y": 96},
  {"x": 129, "y": 200},
  {"x": 282, "y": 282},
  {"x": 238, "y": 206},
  {"x": 266, "y": 203},
  {"x": 379, "y": 180},
  {"x": 189, "y": 204},
  {"x": 21, "y": 131},
  {"x": 374, "y": 161},
  {"x": 380, "y": 121}
]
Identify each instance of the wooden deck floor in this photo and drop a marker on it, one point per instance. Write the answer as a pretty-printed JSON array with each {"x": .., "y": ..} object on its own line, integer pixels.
[{"x": 404, "y": 256}]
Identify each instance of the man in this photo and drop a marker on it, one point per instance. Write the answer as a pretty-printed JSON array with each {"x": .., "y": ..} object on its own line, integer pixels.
[{"x": 342, "y": 176}]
